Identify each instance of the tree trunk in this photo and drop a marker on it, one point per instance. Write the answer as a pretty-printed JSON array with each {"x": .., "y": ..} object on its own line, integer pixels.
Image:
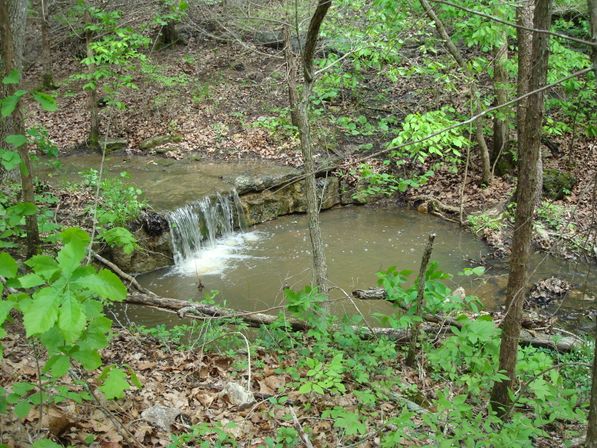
[
  {"x": 532, "y": 73},
  {"x": 420, "y": 311},
  {"x": 301, "y": 112},
  {"x": 46, "y": 54},
  {"x": 500, "y": 79},
  {"x": 291, "y": 76},
  {"x": 591, "y": 441},
  {"x": 94, "y": 123},
  {"x": 443, "y": 34},
  {"x": 13, "y": 16}
]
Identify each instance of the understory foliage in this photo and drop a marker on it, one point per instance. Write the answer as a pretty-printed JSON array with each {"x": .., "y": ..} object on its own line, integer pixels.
[{"x": 335, "y": 363}]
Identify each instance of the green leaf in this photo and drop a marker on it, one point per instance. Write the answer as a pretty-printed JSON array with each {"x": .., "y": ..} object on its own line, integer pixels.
[
  {"x": 22, "y": 409},
  {"x": 58, "y": 365},
  {"x": 115, "y": 384},
  {"x": 40, "y": 313},
  {"x": 89, "y": 359},
  {"x": 74, "y": 250},
  {"x": 106, "y": 285},
  {"x": 16, "y": 213},
  {"x": 9, "y": 104},
  {"x": 31, "y": 281},
  {"x": 45, "y": 443},
  {"x": 5, "y": 307},
  {"x": 8, "y": 266},
  {"x": 16, "y": 140},
  {"x": 72, "y": 319},
  {"x": 43, "y": 265},
  {"x": 14, "y": 77},
  {"x": 9, "y": 159},
  {"x": 45, "y": 100}
]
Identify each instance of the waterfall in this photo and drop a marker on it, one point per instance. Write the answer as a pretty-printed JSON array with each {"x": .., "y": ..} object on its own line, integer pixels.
[{"x": 198, "y": 225}]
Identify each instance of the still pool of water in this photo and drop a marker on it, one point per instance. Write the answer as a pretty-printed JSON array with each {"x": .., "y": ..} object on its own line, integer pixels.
[{"x": 250, "y": 269}]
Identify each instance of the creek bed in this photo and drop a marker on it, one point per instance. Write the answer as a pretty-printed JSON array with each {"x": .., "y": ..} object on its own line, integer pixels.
[{"x": 250, "y": 269}]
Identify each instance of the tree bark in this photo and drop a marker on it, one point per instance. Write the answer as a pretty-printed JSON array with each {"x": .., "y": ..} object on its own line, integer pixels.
[
  {"x": 301, "y": 111},
  {"x": 532, "y": 74},
  {"x": 13, "y": 16},
  {"x": 46, "y": 53},
  {"x": 443, "y": 34},
  {"x": 93, "y": 138},
  {"x": 414, "y": 337},
  {"x": 291, "y": 76},
  {"x": 591, "y": 440},
  {"x": 500, "y": 79}
]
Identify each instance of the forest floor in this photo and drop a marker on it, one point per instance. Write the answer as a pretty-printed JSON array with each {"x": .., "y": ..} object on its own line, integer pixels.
[{"x": 190, "y": 384}]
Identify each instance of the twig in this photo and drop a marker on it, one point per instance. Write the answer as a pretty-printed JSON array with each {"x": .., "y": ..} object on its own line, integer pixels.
[
  {"x": 117, "y": 423},
  {"x": 299, "y": 428},
  {"x": 133, "y": 281}
]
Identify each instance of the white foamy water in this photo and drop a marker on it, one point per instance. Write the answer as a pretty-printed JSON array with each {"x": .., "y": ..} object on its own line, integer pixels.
[{"x": 216, "y": 258}]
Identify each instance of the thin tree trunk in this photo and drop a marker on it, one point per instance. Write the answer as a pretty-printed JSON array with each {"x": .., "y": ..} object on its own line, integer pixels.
[
  {"x": 302, "y": 114},
  {"x": 591, "y": 441},
  {"x": 94, "y": 123},
  {"x": 500, "y": 79},
  {"x": 532, "y": 73},
  {"x": 291, "y": 76},
  {"x": 12, "y": 26},
  {"x": 46, "y": 54},
  {"x": 420, "y": 311},
  {"x": 443, "y": 34}
]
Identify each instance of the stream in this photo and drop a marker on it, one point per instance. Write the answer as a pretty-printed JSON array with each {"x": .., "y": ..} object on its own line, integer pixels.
[{"x": 250, "y": 268}]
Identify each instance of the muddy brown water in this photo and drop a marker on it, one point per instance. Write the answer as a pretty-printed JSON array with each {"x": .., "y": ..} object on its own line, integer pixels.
[{"x": 250, "y": 270}]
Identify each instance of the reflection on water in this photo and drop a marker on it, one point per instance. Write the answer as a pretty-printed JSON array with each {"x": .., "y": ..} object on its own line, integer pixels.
[{"x": 251, "y": 270}]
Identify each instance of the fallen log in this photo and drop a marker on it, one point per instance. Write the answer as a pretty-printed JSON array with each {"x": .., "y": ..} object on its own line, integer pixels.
[
  {"x": 202, "y": 311},
  {"x": 435, "y": 326},
  {"x": 527, "y": 337}
]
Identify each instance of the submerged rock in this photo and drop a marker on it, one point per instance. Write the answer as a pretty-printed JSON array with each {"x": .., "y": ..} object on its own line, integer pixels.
[
  {"x": 159, "y": 140},
  {"x": 110, "y": 144}
]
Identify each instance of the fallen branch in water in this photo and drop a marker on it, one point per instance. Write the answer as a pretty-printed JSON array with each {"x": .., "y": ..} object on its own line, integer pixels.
[
  {"x": 123, "y": 275},
  {"x": 191, "y": 310},
  {"x": 527, "y": 337}
]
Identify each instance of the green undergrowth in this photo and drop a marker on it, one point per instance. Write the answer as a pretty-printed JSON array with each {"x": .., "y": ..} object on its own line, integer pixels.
[
  {"x": 358, "y": 385},
  {"x": 554, "y": 227}
]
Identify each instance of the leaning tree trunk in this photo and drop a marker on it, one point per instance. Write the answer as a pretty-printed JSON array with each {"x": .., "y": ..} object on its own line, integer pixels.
[
  {"x": 591, "y": 441},
  {"x": 532, "y": 73},
  {"x": 13, "y": 16},
  {"x": 443, "y": 34}
]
